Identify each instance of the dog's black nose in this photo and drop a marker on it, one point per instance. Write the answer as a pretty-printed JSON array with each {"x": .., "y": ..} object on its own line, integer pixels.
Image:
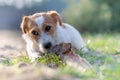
[{"x": 47, "y": 45}]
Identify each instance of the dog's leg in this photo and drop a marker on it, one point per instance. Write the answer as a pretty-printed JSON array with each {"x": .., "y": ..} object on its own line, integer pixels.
[
  {"x": 32, "y": 48},
  {"x": 33, "y": 51}
]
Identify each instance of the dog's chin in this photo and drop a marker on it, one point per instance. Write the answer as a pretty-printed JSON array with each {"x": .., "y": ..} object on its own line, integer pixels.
[{"x": 44, "y": 50}]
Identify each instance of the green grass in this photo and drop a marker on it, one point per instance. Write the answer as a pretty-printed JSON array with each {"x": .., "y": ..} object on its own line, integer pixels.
[
  {"x": 103, "y": 55},
  {"x": 104, "y": 43},
  {"x": 14, "y": 61},
  {"x": 51, "y": 60}
]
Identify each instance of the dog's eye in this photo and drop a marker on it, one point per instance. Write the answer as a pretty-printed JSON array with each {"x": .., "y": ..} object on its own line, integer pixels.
[
  {"x": 35, "y": 33},
  {"x": 47, "y": 28}
]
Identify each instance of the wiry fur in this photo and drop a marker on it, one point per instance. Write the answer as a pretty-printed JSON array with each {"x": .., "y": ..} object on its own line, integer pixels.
[{"x": 59, "y": 33}]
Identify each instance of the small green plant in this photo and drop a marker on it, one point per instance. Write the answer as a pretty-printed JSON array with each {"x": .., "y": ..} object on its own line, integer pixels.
[
  {"x": 5, "y": 61},
  {"x": 20, "y": 59},
  {"x": 51, "y": 60}
]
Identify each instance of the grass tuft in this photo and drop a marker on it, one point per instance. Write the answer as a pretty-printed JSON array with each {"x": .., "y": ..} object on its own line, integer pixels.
[{"x": 51, "y": 60}]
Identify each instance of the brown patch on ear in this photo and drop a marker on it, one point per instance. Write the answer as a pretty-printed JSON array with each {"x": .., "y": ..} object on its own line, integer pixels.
[
  {"x": 55, "y": 16},
  {"x": 24, "y": 24}
]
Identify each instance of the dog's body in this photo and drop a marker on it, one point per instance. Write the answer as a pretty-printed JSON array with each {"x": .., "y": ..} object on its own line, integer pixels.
[{"x": 44, "y": 30}]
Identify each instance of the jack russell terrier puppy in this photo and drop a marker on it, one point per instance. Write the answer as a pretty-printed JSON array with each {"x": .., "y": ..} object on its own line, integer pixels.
[{"x": 41, "y": 31}]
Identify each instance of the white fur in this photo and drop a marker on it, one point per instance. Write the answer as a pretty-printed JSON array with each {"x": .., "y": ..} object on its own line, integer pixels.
[
  {"x": 69, "y": 35},
  {"x": 39, "y": 21},
  {"x": 44, "y": 39}
]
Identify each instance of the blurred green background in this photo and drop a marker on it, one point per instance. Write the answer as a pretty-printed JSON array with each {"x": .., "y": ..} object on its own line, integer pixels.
[{"x": 85, "y": 15}]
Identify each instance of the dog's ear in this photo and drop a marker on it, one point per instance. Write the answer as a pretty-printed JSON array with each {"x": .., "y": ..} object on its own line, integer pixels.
[
  {"x": 55, "y": 16},
  {"x": 24, "y": 24}
]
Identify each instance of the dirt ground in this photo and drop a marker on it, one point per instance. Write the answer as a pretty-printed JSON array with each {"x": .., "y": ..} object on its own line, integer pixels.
[{"x": 11, "y": 43}]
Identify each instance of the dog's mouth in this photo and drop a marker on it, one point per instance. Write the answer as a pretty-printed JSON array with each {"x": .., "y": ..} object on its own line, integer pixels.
[{"x": 45, "y": 51}]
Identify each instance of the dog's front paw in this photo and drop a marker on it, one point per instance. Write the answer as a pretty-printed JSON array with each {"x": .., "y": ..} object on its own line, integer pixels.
[{"x": 33, "y": 56}]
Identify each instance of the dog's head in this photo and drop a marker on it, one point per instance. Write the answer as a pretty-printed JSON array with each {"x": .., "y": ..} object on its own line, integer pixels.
[{"x": 40, "y": 28}]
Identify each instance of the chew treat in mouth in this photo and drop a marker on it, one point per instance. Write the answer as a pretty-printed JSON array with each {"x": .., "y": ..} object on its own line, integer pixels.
[
  {"x": 67, "y": 55},
  {"x": 60, "y": 49}
]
